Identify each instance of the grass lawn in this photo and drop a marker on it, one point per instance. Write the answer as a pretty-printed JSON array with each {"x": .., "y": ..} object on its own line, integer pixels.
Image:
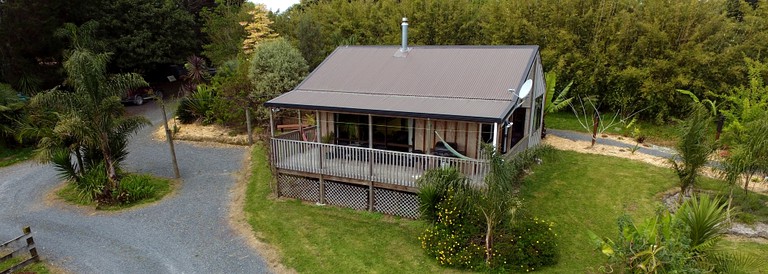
[
  {"x": 38, "y": 267},
  {"x": 9, "y": 156},
  {"x": 663, "y": 135},
  {"x": 582, "y": 192},
  {"x": 313, "y": 239},
  {"x": 160, "y": 187},
  {"x": 579, "y": 192}
]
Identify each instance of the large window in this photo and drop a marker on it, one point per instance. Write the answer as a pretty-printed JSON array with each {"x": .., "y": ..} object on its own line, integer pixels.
[
  {"x": 388, "y": 132},
  {"x": 351, "y": 129}
]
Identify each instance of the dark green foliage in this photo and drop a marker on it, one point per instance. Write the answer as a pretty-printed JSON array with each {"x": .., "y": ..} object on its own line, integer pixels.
[
  {"x": 91, "y": 184},
  {"x": 453, "y": 240},
  {"x": 197, "y": 107},
  {"x": 135, "y": 188},
  {"x": 62, "y": 162},
  {"x": 632, "y": 54},
  {"x": 434, "y": 187},
  {"x": 146, "y": 34},
  {"x": 526, "y": 245},
  {"x": 705, "y": 219},
  {"x": 684, "y": 242},
  {"x": 11, "y": 113},
  {"x": 223, "y": 30}
]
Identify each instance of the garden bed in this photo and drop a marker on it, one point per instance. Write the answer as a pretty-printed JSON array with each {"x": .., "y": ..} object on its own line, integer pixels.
[{"x": 199, "y": 133}]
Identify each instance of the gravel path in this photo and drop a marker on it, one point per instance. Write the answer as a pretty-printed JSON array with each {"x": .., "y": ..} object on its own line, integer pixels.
[
  {"x": 185, "y": 233},
  {"x": 654, "y": 150}
]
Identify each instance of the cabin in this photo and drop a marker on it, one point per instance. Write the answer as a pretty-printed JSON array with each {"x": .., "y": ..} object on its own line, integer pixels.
[{"x": 381, "y": 116}]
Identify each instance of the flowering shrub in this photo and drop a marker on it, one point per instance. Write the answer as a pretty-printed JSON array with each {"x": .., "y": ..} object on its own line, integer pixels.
[
  {"x": 526, "y": 245},
  {"x": 456, "y": 241},
  {"x": 449, "y": 240}
]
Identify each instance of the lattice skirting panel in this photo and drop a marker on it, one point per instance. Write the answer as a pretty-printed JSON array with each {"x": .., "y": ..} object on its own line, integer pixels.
[
  {"x": 396, "y": 203},
  {"x": 342, "y": 194},
  {"x": 302, "y": 188},
  {"x": 346, "y": 195}
]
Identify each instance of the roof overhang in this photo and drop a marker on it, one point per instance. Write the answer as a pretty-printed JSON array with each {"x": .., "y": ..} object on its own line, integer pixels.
[{"x": 461, "y": 109}]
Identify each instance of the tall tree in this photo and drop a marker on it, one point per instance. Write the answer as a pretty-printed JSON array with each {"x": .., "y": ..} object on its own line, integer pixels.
[
  {"x": 257, "y": 28},
  {"x": 145, "y": 34},
  {"x": 276, "y": 67},
  {"x": 223, "y": 30}
]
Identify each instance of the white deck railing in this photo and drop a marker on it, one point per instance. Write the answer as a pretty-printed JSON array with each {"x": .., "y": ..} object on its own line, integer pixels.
[
  {"x": 307, "y": 133},
  {"x": 392, "y": 167}
]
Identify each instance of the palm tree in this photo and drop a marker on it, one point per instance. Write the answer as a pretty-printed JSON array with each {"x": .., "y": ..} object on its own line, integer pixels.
[
  {"x": 693, "y": 148},
  {"x": 89, "y": 119}
]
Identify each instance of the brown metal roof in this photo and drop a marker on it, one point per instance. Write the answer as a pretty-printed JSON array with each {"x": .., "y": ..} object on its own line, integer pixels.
[{"x": 467, "y": 82}]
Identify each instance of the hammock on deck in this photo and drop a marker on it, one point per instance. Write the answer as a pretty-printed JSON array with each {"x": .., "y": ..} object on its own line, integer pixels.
[{"x": 449, "y": 148}]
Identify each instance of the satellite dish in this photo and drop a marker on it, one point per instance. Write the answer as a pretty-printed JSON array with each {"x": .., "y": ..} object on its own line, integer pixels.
[{"x": 525, "y": 89}]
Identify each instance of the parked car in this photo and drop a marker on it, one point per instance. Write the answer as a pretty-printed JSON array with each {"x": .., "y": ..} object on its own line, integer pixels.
[{"x": 137, "y": 96}]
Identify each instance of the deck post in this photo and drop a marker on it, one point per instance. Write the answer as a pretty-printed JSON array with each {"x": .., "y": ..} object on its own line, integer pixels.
[
  {"x": 430, "y": 135},
  {"x": 271, "y": 123},
  {"x": 479, "y": 140},
  {"x": 318, "y": 132},
  {"x": 495, "y": 135},
  {"x": 370, "y": 145},
  {"x": 321, "y": 199},
  {"x": 370, "y": 196},
  {"x": 319, "y": 142},
  {"x": 301, "y": 130}
]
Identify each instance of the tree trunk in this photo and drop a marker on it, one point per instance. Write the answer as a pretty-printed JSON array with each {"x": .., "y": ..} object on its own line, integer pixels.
[
  {"x": 730, "y": 203},
  {"x": 746, "y": 183},
  {"x": 79, "y": 156},
  {"x": 112, "y": 182},
  {"x": 595, "y": 121},
  {"x": 488, "y": 242}
]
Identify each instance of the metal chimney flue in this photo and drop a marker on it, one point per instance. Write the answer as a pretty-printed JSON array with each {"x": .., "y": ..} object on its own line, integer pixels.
[{"x": 404, "y": 43}]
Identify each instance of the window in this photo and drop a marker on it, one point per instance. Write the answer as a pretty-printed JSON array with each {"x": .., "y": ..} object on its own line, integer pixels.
[{"x": 486, "y": 133}]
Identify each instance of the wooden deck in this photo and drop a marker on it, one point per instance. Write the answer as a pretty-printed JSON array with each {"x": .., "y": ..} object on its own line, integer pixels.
[{"x": 389, "y": 169}]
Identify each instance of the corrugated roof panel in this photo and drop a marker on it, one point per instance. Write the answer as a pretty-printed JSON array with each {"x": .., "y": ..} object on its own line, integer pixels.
[
  {"x": 446, "y": 81},
  {"x": 477, "y": 72}
]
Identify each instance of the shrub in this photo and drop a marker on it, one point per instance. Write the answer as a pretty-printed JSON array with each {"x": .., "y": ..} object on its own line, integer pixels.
[
  {"x": 526, "y": 245},
  {"x": 434, "y": 187},
  {"x": 450, "y": 239},
  {"x": 134, "y": 188},
  {"x": 91, "y": 184},
  {"x": 197, "y": 107}
]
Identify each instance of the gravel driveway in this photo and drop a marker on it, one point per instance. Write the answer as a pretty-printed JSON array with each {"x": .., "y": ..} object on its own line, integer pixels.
[{"x": 185, "y": 233}]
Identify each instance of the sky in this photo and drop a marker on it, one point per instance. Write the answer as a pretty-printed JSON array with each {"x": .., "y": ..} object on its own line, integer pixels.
[{"x": 274, "y": 5}]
